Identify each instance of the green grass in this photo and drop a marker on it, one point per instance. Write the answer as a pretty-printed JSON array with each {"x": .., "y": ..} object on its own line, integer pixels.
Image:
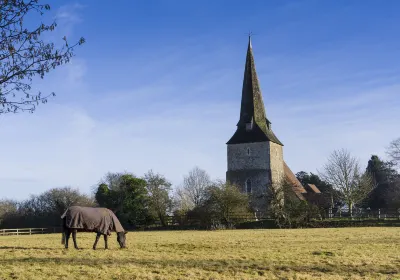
[{"x": 347, "y": 253}]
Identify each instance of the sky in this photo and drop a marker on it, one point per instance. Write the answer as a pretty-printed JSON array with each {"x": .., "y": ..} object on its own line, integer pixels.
[{"x": 157, "y": 85}]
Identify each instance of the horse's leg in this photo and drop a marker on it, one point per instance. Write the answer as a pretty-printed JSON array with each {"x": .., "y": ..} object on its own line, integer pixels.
[
  {"x": 97, "y": 240},
  {"x": 105, "y": 241},
  {"x": 74, "y": 238},
  {"x": 67, "y": 235}
]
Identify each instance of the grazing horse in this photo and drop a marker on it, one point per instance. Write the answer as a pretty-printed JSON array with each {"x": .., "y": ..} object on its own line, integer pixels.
[{"x": 91, "y": 219}]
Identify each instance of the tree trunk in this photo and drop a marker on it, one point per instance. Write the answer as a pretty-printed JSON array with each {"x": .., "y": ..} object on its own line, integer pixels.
[
  {"x": 162, "y": 219},
  {"x": 351, "y": 209}
]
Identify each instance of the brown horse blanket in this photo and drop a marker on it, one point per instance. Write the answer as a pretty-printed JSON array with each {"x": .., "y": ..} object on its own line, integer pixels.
[{"x": 93, "y": 219}]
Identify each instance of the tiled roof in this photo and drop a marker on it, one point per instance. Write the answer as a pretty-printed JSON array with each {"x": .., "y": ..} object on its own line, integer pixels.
[
  {"x": 297, "y": 187},
  {"x": 314, "y": 188}
]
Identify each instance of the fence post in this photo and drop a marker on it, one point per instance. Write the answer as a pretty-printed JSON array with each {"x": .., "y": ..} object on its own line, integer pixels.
[
  {"x": 17, "y": 232},
  {"x": 379, "y": 214},
  {"x": 30, "y": 231},
  {"x": 398, "y": 211}
]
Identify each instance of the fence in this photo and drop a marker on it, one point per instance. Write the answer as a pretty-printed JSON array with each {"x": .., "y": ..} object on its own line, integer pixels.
[
  {"x": 365, "y": 213},
  {"x": 373, "y": 216},
  {"x": 29, "y": 231}
]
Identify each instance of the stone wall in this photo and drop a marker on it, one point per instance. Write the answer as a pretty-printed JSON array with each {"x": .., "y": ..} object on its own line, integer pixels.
[
  {"x": 238, "y": 159},
  {"x": 263, "y": 165},
  {"x": 254, "y": 166},
  {"x": 260, "y": 179},
  {"x": 276, "y": 159}
]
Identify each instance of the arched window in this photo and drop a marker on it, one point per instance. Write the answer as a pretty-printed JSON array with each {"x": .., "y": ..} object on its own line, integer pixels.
[
  {"x": 248, "y": 186},
  {"x": 248, "y": 151}
]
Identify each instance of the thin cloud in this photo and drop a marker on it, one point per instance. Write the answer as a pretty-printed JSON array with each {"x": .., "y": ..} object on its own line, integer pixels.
[{"x": 181, "y": 117}]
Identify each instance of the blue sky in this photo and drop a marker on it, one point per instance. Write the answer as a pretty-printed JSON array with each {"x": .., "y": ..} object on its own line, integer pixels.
[{"x": 157, "y": 86}]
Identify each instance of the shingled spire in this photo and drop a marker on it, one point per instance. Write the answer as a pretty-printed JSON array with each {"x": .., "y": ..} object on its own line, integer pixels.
[{"x": 253, "y": 125}]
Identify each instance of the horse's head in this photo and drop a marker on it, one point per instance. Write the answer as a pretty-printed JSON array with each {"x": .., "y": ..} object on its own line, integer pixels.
[{"x": 121, "y": 238}]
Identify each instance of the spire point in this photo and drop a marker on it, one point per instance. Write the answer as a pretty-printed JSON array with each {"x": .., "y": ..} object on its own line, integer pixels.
[{"x": 250, "y": 34}]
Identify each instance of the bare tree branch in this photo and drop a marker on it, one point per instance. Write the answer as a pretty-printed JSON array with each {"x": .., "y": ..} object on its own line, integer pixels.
[
  {"x": 343, "y": 172},
  {"x": 23, "y": 55},
  {"x": 195, "y": 185},
  {"x": 393, "y": 151}
]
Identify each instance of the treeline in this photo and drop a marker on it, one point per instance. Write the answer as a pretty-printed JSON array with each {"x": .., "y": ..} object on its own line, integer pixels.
[
  {"x": 145, "y": 200},
  {"x": 42, "y": 210},
  {"x": 137, "y": 201}
]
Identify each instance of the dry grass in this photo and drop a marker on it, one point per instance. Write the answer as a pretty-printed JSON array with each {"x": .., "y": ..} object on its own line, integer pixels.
[{"x": 351, "y": 253}]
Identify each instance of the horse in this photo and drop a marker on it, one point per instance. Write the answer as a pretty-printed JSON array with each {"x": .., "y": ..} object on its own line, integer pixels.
[{"x": 91, "y": 219}]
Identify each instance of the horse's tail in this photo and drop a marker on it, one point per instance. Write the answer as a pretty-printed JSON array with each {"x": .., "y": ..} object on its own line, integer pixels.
[{"x": 63, "y": 238}]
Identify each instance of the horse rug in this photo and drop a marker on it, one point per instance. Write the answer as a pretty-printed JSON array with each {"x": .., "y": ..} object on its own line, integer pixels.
[{"x": 92, "y": 219}]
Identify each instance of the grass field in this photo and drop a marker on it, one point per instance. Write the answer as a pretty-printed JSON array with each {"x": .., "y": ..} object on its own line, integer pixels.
[{"x": 350, "y": 253}]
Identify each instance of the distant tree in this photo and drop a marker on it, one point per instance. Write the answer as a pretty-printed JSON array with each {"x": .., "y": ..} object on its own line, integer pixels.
[
  {"x": 343, "y": 172},
  {"x": 393, "y": 151},
  {"x": 103, "y": 196},
  {"x": 223, "y": 205},
  {"x": 287, "y": 209},
  {"x": 393, "y": 195},
  {"x": 128, "y": 199},
  {"x": 160, "y": 202},
  {"x": 113, "y": 179},
  {"x": 227, "y": 201},
  {"x": 385, "y": 178},
  {"x": 54, "y": 201},
  {"x": 180, "y": 202},
  {"x": 195, "y": 185},
  {"x": 7, "y": 207},
  {"x": 45, "y": 209},
  {"x": 57, "y": 200},
  {"x": 24, "y": 54}
]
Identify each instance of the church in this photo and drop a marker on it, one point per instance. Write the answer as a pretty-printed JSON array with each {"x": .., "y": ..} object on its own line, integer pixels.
[{"x": 254, "y": 152}]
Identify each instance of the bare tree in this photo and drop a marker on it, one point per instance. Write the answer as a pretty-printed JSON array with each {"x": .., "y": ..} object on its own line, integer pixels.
[
  {"x": 23, "y": 54},
  {"x": 393, "y": 151},
  {"x": 7, "y": 207},
  {"x": 57, "y": 200},
  {"x": 343, "y": 172},
  {"x": 158, "y": 188},
  {"x": 195, "y": 185},
  {"x": 181, "y": 202}
]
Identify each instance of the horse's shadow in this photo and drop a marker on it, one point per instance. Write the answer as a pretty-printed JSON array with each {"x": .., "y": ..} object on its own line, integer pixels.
[{"x": 44, "y": 248}]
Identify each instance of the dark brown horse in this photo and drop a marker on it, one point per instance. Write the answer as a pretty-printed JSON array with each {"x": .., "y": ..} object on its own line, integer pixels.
[{"x": 91, "y": 219}]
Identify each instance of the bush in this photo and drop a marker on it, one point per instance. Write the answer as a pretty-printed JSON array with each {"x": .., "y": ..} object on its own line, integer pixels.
[
  {"x": 224, "y": 207},
  {"x": 288, "y": 210}
]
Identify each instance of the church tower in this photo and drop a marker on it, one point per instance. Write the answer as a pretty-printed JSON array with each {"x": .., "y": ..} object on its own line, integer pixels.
[{"x": 255, "y": 154}]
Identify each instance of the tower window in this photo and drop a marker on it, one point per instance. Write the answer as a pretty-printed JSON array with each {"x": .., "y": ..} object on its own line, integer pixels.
[
  {"x": 248, "y": 151},
  {"x": 248, "y": 186}
]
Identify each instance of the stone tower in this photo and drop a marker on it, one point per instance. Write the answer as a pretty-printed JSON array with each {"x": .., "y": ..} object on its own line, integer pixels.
[{"x": 255, "y": 154}]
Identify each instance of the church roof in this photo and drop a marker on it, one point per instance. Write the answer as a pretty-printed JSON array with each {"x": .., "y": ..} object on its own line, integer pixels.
[
  {"x": 297, "y": 187},
  {"x": 313, "y": 188},
  {"x": 302, "y": 192},
  {"x": 252, "y": 108}
]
